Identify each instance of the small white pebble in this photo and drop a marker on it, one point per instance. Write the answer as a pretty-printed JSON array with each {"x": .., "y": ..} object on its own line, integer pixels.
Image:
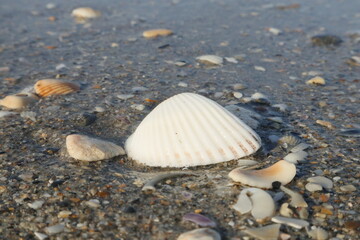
[
  {"x": 99, "y": 109},
  {"x": 182, "y": 84},
  {"x": 238, "y": 95},
  {"x": 218, "y": 94},
  {"x": 274, "y": 31},
  {"x": 238, "y": 86},
  {"x": 313, "y": 187},
  {"x": 259, "y": 68},
  {"x": 231, "y": 59},
  {"x": 125, "y": 96},
  {"x": 139, "y": 107},
  {"x": 40, "y": 236},
  {"x": 55, "y": 228},
  {"x": 94, "y": 203}
]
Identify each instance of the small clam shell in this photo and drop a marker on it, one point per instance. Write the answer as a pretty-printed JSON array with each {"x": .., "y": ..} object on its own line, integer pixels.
[
  {"x": 210, "y": 59},
  {"x": 85, "y": 148},
  {"x": 85, "y": 12},
  {"x": 289, "y": 140},
  {"x": 153, "y": 33},
  {"x": 318, "y": 233},
  {"x": 261, "y": 203},
  {"x": 300, "y": 147},
  {"x": 18, "y": 101},
  {"x": 190, "y": 130},
  {"x": 282, "y": 171},
  {"x": 200, "y": 234},
  {"x": 47, "y": 87},
  {"x": 269, "y": 232}
]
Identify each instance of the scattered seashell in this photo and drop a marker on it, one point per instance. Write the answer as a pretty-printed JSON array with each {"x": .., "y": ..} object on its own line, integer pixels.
[
  {"x": 18, "y": 101},
  {"x": 210, "y": 59},
  {"x": 85, "y": 13},
  {"x": 55, "y": 228},
  {"x": 281, "y": 107},
  {"x": 318, "y": 233},
  {"x": 139, "y": 107},
  {"x": 261, "y": 203},
  {"x": 296, "y": 199},
  {"x": 292, "y": 222},
  {"x": 327, "y": 124},
  {"x": 348, "y": 188},
  {"x": 85, "y": 148},
  {"x": 274, "y": 31},
  {"x": 285, "y": 211},
  {"x": 288, "y": 141},
  {"x": 354, "y": 61},
  {"x": 269, "y": 232},
  {"x": 182, "y": 84},
  {"x": 322, "y": 181},
  {"x": 296, "y": 157},
  {"x": 313, "y": 187},
  {"x": 231, "y": 60},
  {"x": 93, "y": 203},
  {"x": 282, "y": 171},
  {"x": 276, "y": 119},
  {"x": 200, "y": 234},
  {"x": 40, "y": 236},
  {"x": 199, "y": 219},
  {"x": 150, "y": 185},
  {"x": 125, "y": 96},
  {"x": 238, "y": 95},
  {"x": 259, "y": 68},
  {"x": 6, "y": 113},
  {"x": 300, "y": 147},
  {"x": 48, "y": 87},
  {"x": 64, "y": 214},
  {"x": 260, "y": 98},
  {"x": 246, "y": 163},
  {"x": 36, "y": 204},
  {"x": 190, "y": 130},
  {"x": 316, "y": 81},
  {"x": 154, "y": 33}
]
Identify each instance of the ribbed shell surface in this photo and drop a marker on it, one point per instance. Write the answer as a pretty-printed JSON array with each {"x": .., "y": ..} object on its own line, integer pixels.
[
  {"x": 190, "y": 130},
  {"x": 47, "y": 87}
]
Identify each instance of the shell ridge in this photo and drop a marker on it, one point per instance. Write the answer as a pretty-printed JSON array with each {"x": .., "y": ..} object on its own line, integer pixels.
[
  {"x": 231, "y": 136},
  {"x": 216, "y": 140}
]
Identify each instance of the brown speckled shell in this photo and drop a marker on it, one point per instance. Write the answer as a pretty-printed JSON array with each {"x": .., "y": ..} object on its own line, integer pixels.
[{"x": 48, "y": 87}]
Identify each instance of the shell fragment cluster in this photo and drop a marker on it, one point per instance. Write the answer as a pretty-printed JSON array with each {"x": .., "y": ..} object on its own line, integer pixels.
[{"x": 190, "y": 130}]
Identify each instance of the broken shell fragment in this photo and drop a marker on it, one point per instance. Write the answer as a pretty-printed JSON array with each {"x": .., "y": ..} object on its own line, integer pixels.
[
  {"x": 153, "y": 33},
  {"x": 296, "y": 199},
  {"x": 282, "y": 172},
  {"x": 18, "y": 101},
  {"x": 296, "y": 157},
  {"x": 200, "y": 234},
  {"x": 190, "y": 130},
  {"x": 259, "y": 202},
  {"x": 292, "y": 222},
  {"x": 47, "y": 87},
  {"x": 85, "y": 12},
  {"x": 269, "y": 232},
  {"x": 199, "y": 219},
  {"x": 318, "y": 233},
  {"x": 85, "y": 148},
  {"x": 316, "y": 81},
  {"x": 322, "y": 181},
  {"x": 210, "y": 59}
]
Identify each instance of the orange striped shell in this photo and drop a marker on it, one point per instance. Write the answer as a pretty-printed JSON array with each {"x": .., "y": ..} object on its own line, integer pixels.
[{"x": 48, "y": 87}]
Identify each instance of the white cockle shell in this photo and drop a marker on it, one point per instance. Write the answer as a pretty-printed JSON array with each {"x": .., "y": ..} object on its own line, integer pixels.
[{"x": 190, "y": 130}]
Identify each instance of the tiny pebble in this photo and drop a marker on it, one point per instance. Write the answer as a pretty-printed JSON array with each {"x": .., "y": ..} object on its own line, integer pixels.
[
  {"x": 210, "y": 59},
  {"x": 99, "y": 109},
  {"x": 322, "y": 181},
  {"x": 125, "y": 96},
  {"x": 231, "y": 59},
  {"x": 218, "y": 94},
  {"x": 238, "y": 86},
  {"x": 139, "y": 89},
  {"x": 348, "y": 188},
  {"x": 274, "y": 31}
]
